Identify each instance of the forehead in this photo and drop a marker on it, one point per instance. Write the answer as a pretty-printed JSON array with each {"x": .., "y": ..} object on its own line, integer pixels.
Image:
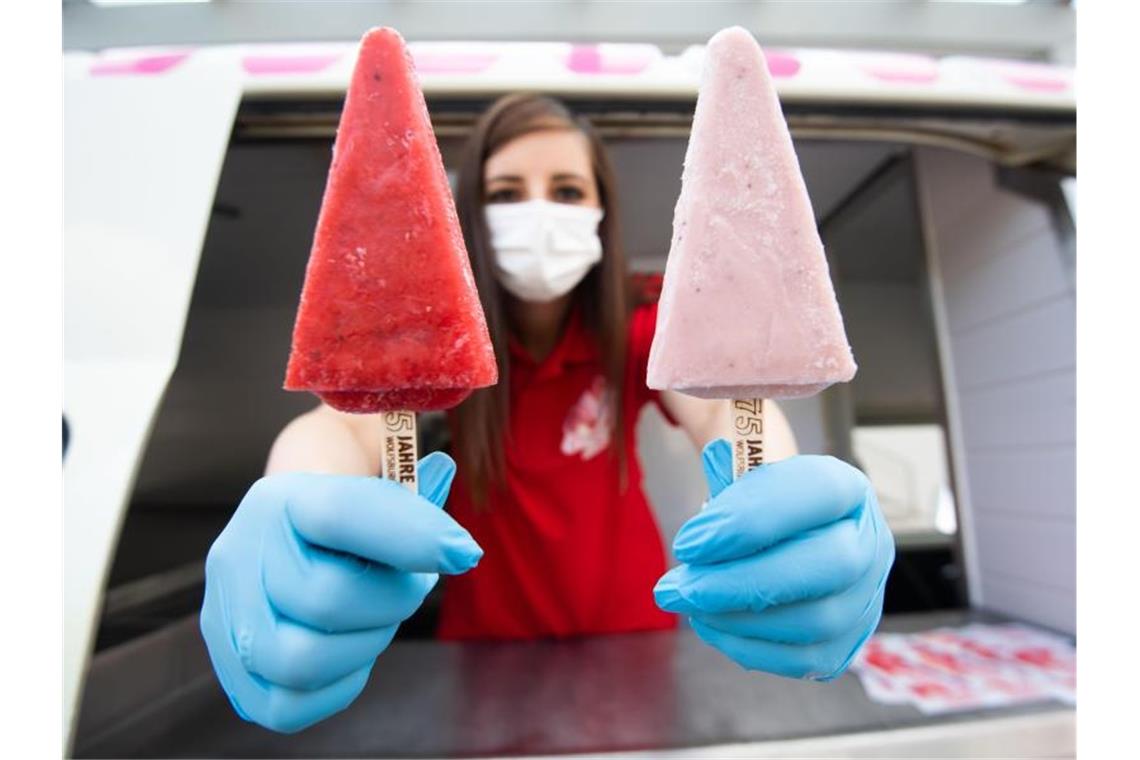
[{"x": 547, "y": 152}]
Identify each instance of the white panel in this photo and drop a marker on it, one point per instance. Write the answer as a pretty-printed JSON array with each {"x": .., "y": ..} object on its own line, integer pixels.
[
  {"x": 1036, "y": 412},
  {"x": 907, "y": 467},
  {"x": 1028, "y": 601},
  {"x": 1006, "y": 314},
  {"x": 1031, "y": 483},
  {"x": 1039, "y": 340},
  {"x": 1038, "y": 552},
  {"x": 1069, "y": 188},
  {"x": 998, "y": 222},
  {"x": 142, "y": 158},
  {"x": 983, "y": 293}
]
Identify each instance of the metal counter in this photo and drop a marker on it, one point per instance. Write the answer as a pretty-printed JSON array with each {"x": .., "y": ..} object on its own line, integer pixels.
[{"x": 157, "y": 697}]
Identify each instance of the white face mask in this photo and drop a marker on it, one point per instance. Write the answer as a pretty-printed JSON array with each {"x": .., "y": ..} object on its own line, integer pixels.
[{"x": 543, "y": 249}]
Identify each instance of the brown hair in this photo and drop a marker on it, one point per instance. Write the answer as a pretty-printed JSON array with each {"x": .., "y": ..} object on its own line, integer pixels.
[{"x": 601, "y": 297}]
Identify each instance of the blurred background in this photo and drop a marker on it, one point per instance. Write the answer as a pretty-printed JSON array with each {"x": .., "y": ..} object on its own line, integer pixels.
[
  {"x": 1037, "y": 30},
  {"x": 937, "y": 139}
]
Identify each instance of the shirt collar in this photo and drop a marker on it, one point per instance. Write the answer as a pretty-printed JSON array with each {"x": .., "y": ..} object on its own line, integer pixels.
[{"x": 575, "y": 346}]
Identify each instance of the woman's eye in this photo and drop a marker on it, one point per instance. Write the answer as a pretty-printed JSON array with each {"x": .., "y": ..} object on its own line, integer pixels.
[
  {"x": 568, "y": 194},
  {"x": 503, "y": 195}
]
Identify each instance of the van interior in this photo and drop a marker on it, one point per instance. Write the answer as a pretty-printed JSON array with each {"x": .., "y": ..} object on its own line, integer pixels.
[{"x": 224, "y": 405}]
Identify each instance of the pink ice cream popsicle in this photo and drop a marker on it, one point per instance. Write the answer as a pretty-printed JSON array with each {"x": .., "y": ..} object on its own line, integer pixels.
[{"x": 747, "y": 308}]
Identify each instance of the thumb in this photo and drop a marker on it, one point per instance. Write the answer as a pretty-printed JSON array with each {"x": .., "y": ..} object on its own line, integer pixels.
[
  {"x": 436, "y": 472},
  {"x": 717, "y": 461}
]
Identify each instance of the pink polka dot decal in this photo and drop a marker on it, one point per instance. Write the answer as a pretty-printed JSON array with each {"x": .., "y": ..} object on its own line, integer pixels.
[
  {"x": 782, "y": 63},
  {"x": 609, "y": 59},
  {"x": 457, "y": 61},
  {"x": 140, "y": 64},
  {"x": 270, "y": 64},
  {"x": 901, "y": 68}
]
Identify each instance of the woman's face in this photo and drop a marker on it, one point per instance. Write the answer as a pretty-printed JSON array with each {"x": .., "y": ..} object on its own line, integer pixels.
[{"x": 551, "y": 164}]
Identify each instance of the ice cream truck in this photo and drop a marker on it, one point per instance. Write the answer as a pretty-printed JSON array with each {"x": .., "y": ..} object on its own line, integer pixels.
[{"x": 944, "y": 190}]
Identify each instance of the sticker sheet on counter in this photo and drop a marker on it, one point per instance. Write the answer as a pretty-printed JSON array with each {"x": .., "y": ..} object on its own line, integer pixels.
[{"x": 969, "y": 668}]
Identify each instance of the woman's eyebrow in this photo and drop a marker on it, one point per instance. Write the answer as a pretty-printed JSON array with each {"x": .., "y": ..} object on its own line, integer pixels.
[
  {"x": 570, "y": 175},
  {"x": 505, "y": 178}
]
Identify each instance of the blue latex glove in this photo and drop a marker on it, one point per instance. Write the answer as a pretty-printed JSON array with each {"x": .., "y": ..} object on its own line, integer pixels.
[
  {"x": 783, "y": 569},
  {"x": 308, "y": 582}
]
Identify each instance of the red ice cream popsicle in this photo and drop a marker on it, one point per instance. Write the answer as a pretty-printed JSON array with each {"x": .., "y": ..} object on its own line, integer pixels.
[{"x": 389, "y": 317}]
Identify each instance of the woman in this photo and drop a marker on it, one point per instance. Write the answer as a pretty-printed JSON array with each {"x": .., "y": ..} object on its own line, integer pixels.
[{"x": 782, "y": 571}]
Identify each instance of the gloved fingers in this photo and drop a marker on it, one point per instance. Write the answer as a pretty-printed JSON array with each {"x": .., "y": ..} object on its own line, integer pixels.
[
  {"x": 378, "y": 520},
  {"x": 275, "y": 707},
  {"x": 216, "y": 632},
  {"x": 768, "y": 505},
  {"x": 289, "y": 710},
  {"x": 296, "y": 657},
  {"x": 435, "y": 473},
  {"x": 716, "y": 458},
  {"x": 809, "y": 622},
  {"x": 336, "y": 592},
  {"x": 253, "y": 698},
  {"x": 815, "y": 620},
  {"x": 814, "y": 565},
  {"x": 276, "y": 649},
  {"x": 823, "y": 661},
  {"x": 869, "y": 623}
]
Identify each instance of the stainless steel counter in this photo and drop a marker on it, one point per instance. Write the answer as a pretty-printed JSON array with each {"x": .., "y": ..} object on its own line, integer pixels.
[{"x": 156, "y": 697}]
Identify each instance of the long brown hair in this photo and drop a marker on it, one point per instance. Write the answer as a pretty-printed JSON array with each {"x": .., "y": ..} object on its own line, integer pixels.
[{"x": 601, "y": 297}]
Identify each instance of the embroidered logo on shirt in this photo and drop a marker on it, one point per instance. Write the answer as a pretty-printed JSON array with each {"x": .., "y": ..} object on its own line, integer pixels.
[{"x": 586, "y": 430}]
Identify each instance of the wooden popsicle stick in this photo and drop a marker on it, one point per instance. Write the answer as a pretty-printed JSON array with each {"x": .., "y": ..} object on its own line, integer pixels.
[
  {"x": 398, "y": 455},
  {"x": 747, "y": 435}
]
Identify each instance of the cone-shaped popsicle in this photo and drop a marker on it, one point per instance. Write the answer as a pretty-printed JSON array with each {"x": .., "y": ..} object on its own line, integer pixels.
[
  {"x": 389, "y": 317},
  {"x": 747, "y": 307}
]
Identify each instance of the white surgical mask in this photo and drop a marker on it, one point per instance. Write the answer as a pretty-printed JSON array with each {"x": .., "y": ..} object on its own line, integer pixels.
[{"x": 543, "y": 249}]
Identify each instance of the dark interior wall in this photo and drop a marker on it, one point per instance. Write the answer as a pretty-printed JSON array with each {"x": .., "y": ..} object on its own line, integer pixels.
[
  {"x": 875, "y": 242},
  {"x": 224, "y": 401},
  {"x": 893, "y": 338}
]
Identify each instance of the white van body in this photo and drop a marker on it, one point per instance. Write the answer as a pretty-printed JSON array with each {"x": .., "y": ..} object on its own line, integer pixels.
[{"x": 146, "y": 137}]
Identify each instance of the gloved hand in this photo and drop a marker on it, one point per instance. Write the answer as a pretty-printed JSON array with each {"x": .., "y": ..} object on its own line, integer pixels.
[
  {"x": 308, "y": 582},
  {"x": 783, "y": 569}
]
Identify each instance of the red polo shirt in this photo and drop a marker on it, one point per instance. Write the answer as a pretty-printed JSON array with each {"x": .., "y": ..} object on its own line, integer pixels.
[{"x": 567, "y": 551}]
